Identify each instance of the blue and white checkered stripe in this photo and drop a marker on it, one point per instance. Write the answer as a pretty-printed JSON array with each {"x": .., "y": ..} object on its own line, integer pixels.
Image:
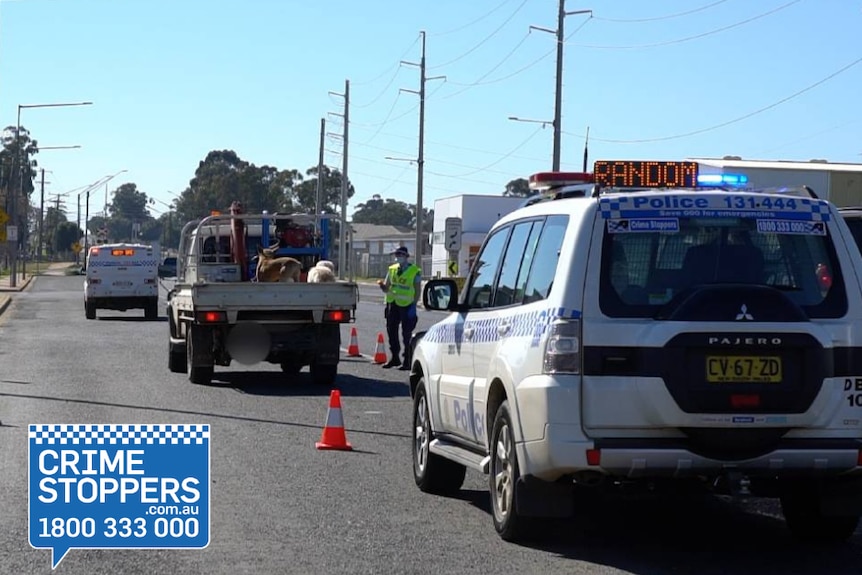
[
  {"x": 611, "y": 208},
  {"x": 531, "y": 324},
  {"x": 96, "y": 263},
  {"x": 819, "y": 209},
  {"x": 120, "y": 434}
]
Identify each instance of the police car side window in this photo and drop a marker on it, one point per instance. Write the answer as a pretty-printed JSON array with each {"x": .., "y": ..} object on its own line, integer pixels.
[
  {"x": 545, "y": 261},
  {"x": 484, "y": 272},
  {"x": 515, "y": 258}
]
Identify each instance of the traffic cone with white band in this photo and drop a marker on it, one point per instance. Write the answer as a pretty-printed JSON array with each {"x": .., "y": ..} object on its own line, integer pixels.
[{"x": 334, "y": 436}]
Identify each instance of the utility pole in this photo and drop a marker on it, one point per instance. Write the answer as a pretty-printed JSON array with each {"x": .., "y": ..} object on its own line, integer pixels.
[
  {"x": 557, "y": 123},
  {"x": 421, "y": 158},
  {"x": 41, "y": 214},
  {"x": 342, "y": 250},
  {"x": 318, "y": 200}
]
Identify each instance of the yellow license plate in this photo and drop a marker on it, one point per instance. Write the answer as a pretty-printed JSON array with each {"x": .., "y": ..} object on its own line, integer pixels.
[{"x": 743, "y": 369}]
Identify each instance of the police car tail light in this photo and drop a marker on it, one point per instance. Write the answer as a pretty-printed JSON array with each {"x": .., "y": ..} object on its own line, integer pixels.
[
  {"x": 212, "y": 317},
  {"x": 150, "y": 281},
  {"x": 563, "y": 347},
  {"x": 94, "y": 281}
]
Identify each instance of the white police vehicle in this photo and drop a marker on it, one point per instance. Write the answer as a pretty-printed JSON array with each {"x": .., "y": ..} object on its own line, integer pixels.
[
  {"x": 644, "y": 325},
  {"x": 121, "y": 276}
]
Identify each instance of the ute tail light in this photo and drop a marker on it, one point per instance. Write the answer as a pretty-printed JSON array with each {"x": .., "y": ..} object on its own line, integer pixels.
[
  {"x": 211, "y": 317},
  {"x": 337, "y": 315},
  {"x": 563, "y": 347}
]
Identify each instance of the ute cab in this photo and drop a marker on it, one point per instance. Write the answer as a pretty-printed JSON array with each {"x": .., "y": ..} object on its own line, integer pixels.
[
  {"x": 646, "y": 325},
  {"x": 121, "y": 276}
]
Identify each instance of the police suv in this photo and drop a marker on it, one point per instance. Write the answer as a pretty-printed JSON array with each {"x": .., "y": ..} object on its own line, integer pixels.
[
  {"x": 646, "y": 325},
  {"x": 121, "y": 276}
]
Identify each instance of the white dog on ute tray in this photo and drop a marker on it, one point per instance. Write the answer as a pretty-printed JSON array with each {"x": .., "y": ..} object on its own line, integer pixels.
[{"x": 323, "y": 271}]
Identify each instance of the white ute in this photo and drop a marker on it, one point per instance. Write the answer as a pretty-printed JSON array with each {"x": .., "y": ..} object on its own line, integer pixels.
[
  {"x": 121, "y": 276},
  {"x": 648, "y": 326}
]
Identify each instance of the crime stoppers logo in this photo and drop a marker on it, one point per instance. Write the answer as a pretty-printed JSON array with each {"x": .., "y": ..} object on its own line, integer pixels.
[{"x": 118, "y": 487}]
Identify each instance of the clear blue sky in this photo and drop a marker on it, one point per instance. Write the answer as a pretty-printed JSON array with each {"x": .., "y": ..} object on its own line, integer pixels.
[{"x": 172, "y": 80}]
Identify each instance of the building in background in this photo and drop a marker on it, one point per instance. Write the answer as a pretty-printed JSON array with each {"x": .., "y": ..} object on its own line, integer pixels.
[
  {"x": 839, "y": 183},
  {"x": 478, "y": 213}
]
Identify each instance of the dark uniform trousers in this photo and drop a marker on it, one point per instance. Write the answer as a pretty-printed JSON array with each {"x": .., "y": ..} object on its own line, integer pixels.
[{"x": 397, "y": 316}]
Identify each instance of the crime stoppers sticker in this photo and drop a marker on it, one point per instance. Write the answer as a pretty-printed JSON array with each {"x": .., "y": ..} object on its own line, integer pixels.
[{"x": 118, "y": 487}]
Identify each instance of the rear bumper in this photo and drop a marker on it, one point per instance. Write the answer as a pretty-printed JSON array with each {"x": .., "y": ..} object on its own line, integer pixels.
[
  {"x": 122, "y": 303},
  {"x": 561, "y": 453}
]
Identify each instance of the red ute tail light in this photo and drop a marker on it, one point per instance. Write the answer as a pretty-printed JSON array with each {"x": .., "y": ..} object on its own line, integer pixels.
[
  {"x": 338, "y": 315},
  {"x": 212, "y": 317}
]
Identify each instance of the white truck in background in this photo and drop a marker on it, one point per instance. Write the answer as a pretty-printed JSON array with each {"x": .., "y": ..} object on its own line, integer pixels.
[{"x": 218, "y": 312}]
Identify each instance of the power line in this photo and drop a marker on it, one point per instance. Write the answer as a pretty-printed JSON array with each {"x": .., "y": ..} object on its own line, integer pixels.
[
  {"x": 468, "y": 24},
  {"x": 733, "y": 121},
  {"x": 483, "y": 41},
  {"x": 386, "y": 71},
  {"x": 492, "y": 164},
  {"x": 666, "y": 17},
  {"x": 689, "y": 38}
]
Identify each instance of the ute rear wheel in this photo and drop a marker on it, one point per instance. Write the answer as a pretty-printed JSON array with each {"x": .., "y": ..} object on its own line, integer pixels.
[{"x": 199, "y": 340}]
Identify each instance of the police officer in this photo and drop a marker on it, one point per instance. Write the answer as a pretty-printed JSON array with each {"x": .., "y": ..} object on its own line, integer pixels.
[{"x": 403, "y": 286}]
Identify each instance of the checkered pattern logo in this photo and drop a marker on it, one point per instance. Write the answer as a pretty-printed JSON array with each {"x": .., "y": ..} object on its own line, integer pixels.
[
  {"x": 611, "y": 208},
  {"x": 819, "y": 209},
  {"x": 125, "y": 434}
]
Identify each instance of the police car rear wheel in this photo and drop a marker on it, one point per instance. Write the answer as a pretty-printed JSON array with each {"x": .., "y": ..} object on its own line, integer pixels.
[
  {"x": 432, "y": 473},
  {"x": 503, "y": 478},
  {"x": 801, "y": 508},
  {"x": 89, "y": 310}
]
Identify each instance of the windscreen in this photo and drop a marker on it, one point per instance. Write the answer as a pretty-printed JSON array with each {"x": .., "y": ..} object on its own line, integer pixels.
[{"x": 643, "y": 270}]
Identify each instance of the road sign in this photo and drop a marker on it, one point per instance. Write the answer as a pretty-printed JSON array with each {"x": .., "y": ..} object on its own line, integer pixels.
[
  {"x": 4, "y": 217},
  {"x": 11, "y": 233},
  {"x": 76, "y": 247},
  {"x": 453, "y": 234},
  {"x": 453, "y": 268}
]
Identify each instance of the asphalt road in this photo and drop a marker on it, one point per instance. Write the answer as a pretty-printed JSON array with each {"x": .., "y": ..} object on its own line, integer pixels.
[{"x": 281, "y": 506}]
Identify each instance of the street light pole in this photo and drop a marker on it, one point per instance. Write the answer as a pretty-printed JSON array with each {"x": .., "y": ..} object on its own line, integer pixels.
[{"x": 13, "y": 278}]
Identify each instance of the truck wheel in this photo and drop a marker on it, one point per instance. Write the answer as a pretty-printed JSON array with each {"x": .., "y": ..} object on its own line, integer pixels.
[
  {"x": 801, "y": 508},
  {"x": 176, "y": 357},
  {"x": 151, "y": 311},
  {"x": 503, "y": 478},
  {"x": 323, "y": 374},
  {"x": 196, "y": 336},
  {"x": 90, "y": 310},
  {"x": 432, "y": 473}
]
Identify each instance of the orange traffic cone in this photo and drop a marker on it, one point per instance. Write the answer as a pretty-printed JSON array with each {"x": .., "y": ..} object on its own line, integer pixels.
[
  {"x": 353, "y": 348},
  {"x": 333, "y": 432},
  {"x": 380, "y": 353}
]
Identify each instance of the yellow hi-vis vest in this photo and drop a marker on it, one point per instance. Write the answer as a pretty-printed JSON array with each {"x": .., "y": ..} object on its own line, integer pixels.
[{"x": 402, "y": 289}]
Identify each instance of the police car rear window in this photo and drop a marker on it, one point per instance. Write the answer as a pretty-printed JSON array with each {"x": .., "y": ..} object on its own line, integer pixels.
[{"x": 642, "y": 271}]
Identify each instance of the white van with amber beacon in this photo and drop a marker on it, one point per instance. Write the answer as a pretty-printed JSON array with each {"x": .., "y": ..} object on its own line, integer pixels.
[{"x": 121, "y": 276}]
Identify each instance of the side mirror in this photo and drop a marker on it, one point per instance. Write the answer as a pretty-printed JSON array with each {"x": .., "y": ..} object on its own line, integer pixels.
[{"x": 440, "y": 295}]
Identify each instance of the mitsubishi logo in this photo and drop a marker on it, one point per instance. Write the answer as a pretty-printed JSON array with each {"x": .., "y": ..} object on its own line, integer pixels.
[{"x": 743, "y": 314}]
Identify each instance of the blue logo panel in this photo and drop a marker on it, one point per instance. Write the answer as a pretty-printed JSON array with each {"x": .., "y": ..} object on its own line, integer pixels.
[{"x": 118, "y": 487}]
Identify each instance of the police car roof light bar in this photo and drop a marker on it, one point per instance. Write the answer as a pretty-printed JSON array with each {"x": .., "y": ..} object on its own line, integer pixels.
[
  {"x": 546, "y": 180},
  {"x": 706, "y": 180}
]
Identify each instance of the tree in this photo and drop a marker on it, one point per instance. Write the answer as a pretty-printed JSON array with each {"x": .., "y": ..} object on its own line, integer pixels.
[
  {"x": 385, "y": 212},
  {"x": 67, "y": 233},
  {"x": 306, "y": 192},
  {"x": 222, "y": 177},
  {"x": 129, "y": 203},
  {"x": 519, "y": 188},
  {"x": 11, "y": 169}
]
